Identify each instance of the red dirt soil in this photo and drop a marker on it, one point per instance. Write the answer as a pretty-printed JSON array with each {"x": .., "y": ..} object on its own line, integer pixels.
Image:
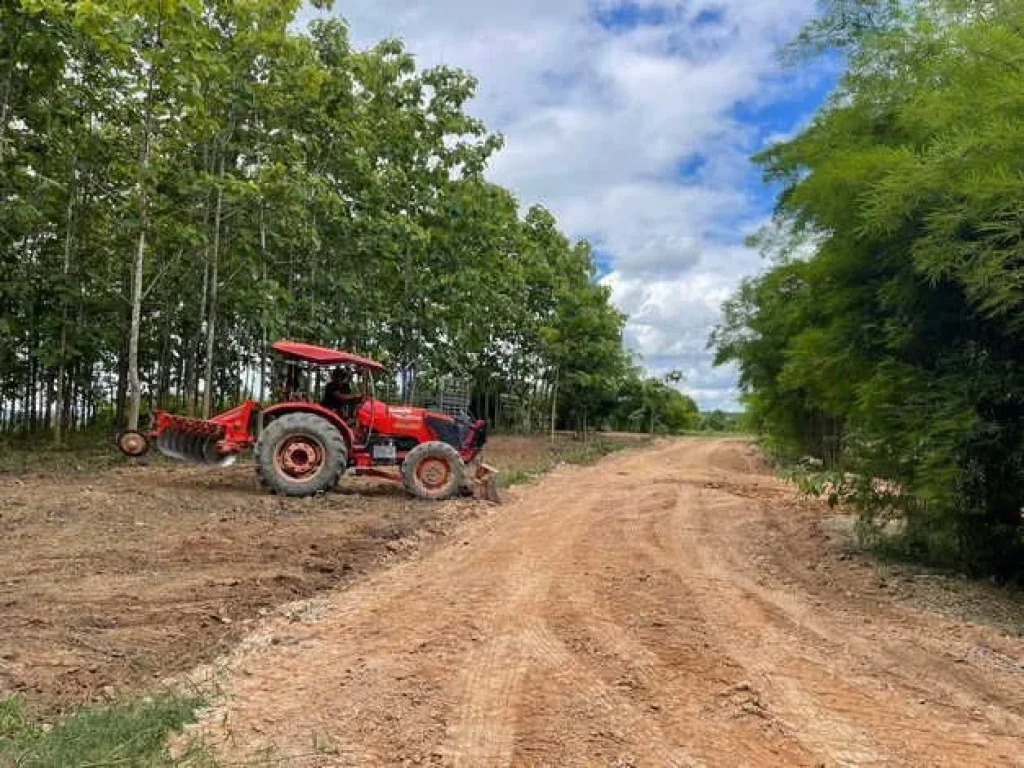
[
  {"x": 113, "y": 582},
  {"x": 669, "y": 607}
]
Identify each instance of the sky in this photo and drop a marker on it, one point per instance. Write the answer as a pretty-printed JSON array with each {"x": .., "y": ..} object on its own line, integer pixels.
[{"x": 633, "y": 122}]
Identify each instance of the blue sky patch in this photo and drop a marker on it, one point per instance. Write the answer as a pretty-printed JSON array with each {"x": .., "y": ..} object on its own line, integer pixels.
[
  {"x": 626, "y": 16},
  {"x": 633, "y": 122}
]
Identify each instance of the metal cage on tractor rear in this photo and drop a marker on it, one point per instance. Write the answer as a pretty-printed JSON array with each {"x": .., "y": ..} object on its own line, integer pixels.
[
  {"x": 450, "y": 396},
  {"x": 305, "y": 445}
]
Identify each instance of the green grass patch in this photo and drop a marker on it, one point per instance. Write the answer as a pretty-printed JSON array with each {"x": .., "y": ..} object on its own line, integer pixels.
[
  {"x": 566, "y": 452},
  {"x": 133, "y": 733},
  {"x": 81, "y": 452}
]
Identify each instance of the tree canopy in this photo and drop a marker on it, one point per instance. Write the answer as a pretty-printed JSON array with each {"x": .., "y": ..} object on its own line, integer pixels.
[
  {"x": 895, "y": 350},
  {"x": 184, "y": 181}
]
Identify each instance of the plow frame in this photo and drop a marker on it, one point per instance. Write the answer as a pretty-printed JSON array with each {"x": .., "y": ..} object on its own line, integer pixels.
[{"x": 206, "y": 440}]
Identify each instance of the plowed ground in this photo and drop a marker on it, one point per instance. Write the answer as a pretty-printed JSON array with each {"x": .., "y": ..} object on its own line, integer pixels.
[{"x": 111, "y": 582}]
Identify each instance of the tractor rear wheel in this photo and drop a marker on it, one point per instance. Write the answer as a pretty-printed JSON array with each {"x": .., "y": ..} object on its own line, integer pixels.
[
  {"x": 300, "y": 454},
  {"x": 433, "y": 471}
]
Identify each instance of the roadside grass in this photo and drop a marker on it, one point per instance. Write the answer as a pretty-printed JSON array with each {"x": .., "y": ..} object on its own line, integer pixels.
[
  {"x": 132, "y": 732},
  {"x": 520, "y": 467},
  {"x": 19, "y": 458},
  {"x": 81, "y": 453}
]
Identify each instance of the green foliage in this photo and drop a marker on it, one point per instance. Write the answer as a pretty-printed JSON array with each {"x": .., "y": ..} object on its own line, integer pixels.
[
  {"x": 722, "y": 422},
  {"x": 129, "y": 733},
  {"x": 890, "y": 348},
  {"x": 183, "y": 182},
  {"x": 632, "y": 402}
]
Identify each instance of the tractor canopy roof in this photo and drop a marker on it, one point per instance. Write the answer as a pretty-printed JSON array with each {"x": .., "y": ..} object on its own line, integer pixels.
[{"x": 309, "y": 353}]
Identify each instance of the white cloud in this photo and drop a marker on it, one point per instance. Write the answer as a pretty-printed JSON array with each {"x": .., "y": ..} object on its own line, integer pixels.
[{"x": 599, "y": 121}]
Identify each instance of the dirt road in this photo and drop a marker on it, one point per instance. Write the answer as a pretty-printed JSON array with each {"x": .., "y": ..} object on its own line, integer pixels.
[{"x": 668, "y": 607}]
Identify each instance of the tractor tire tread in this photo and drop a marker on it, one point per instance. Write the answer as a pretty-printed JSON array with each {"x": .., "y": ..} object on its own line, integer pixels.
[
  {"x": 336, "y": 454},
  {"x": 435, "y": 449}
]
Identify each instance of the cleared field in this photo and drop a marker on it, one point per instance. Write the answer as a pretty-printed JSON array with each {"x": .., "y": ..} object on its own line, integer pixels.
[{"x": 113, "y": 581}]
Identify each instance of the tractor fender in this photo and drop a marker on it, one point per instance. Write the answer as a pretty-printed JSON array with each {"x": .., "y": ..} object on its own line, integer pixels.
[{"x": 283, "y": 409}]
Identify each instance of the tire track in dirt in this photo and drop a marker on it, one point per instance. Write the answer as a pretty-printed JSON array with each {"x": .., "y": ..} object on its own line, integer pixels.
[{"x": 655, "y": 609}]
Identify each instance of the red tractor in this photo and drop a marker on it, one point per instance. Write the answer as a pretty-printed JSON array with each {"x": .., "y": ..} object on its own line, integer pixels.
[{"x": 305, "y": 446}]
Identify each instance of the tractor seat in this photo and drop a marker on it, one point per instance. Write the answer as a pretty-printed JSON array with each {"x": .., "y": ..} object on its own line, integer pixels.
[{"x": 347, "y": 410}]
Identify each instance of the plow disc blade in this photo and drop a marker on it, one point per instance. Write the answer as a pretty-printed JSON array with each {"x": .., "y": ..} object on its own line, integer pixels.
[
  {"x": 166, "y": 444},
  {"x": 197, "y": 449},
  {"x": 211, "y": 455}
]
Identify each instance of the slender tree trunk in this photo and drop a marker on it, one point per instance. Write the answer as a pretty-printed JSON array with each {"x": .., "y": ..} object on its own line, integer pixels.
[
  {"x": 142, "y": 187},
  {"x": 70, "y": 398},
  {"x": 33, "y": 390},
  {"x": 195, "y": 345},
  {"x": 62, "y": 371},
  {"x": 264, "y": 333},
  {"x": 121, "y": 393},
  {"x": 195, "y": 342},
  {"x": 134, "y": 385},
  {"x": 554, "y": 404},
  {"x": 211, "y": 325}
]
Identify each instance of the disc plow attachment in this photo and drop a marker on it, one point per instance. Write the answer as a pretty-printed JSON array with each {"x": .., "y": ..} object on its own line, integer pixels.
[{"x": 215, "y": 442}]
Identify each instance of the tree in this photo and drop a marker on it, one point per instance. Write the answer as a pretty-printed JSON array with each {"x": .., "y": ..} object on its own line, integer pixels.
[
  {"x": 894, "y": 351},
  {"x": 182, "y": 181}
]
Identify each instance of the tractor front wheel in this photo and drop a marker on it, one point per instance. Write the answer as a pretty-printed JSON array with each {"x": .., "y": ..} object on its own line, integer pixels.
[
  {"x": 300, "y": 454},
  {"x": 433, "y": 471}
]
